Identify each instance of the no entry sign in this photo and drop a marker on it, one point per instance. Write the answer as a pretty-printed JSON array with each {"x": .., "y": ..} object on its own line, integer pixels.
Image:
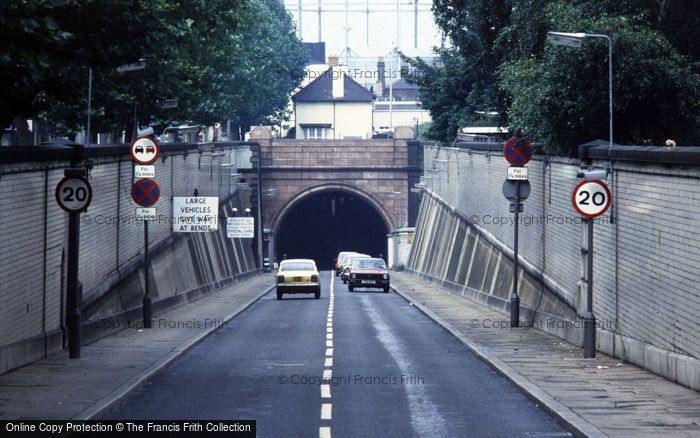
[
  {"x": 145, "y": 192},
  {"x": 591, "y": 198},
  {"x": 517, "y": 151}
]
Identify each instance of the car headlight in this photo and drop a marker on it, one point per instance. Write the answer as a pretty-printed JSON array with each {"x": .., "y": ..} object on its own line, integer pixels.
[{"x": 386, "y": 276}]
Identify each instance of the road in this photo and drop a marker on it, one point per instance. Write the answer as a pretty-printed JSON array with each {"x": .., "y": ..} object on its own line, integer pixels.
[{"x": 361, "y": 363}]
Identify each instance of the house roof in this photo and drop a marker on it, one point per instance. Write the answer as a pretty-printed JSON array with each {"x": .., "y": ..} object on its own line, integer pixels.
[
  {"x": 402, "y": 84},
  {"x": 321, "y": 90}
]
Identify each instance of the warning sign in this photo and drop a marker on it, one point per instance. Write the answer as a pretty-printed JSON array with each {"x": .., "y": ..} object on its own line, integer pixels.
[
  {"x": 240, "y": 227},
  {"x": 195, "y": 214}
]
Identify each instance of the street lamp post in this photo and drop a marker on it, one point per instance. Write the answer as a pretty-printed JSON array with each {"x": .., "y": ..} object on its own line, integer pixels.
[{"x": 575, "y": 40}]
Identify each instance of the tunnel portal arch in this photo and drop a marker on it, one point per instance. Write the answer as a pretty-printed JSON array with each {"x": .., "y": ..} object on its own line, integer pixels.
[{"x": 320, "y": 221}]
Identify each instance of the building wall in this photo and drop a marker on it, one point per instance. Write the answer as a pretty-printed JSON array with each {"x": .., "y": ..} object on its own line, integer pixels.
[
  {"x": 34, "y": 249},
  {"x": 646, "y": 296},
  {"x": 348, "y": 119},
  {"x": 374, "y": 169}
]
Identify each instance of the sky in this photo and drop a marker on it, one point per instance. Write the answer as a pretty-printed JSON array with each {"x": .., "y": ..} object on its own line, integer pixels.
[{"x": 381, "y": 23}]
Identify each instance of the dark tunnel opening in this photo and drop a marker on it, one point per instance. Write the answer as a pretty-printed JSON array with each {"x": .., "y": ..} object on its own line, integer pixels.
[{"x": 323, "y": 224}]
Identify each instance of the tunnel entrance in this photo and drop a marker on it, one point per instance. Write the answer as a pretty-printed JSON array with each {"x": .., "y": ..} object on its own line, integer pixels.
[{"x": 323, "y": 224}]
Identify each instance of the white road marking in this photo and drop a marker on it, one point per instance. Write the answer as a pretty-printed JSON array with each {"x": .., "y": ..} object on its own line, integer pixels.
[
  {"x": 326, "y": 409},
  {"x": 426, "y": 419},
  {"x": 325, "y": 391}
]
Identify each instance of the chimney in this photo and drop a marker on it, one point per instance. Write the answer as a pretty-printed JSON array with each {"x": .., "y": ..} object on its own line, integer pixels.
[
  {"x": 332, "y": 60},
  {"x": 381, "y": 72},
  {"x": 338, "y": 78},
  {"x": 404, "y": 69}
]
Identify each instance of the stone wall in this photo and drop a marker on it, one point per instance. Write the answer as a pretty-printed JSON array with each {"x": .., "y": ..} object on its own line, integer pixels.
[
  {"x": 34, "y": 249},
  {"x": 646, "y": 250},
  {"x": 381, "y": 171}
]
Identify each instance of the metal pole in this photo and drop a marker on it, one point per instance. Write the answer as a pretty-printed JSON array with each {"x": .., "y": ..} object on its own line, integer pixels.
[
  {"x": 610, "y": 94},
  {"x": 515, "y": 299},
  {"x": 73, "y": 316},
  {"x": 147, "y": 310},
  {"x": 589, "y": 322},
  {"x": 89, "y": 108}
]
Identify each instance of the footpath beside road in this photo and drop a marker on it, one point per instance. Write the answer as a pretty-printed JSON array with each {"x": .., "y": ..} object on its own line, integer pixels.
[
  {"x": 591, "y": 397},
  {"x": 61, "y": 388}
]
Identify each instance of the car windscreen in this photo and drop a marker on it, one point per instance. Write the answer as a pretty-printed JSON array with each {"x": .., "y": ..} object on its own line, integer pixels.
[
  {"x": 297, "y": 266},
  {"x": 369, "y": 264}
]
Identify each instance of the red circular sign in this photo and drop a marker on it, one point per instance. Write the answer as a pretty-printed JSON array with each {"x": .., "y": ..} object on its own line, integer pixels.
[
  {"x": 145, "y": 192},
  {"x": 517, "y": 151},
  {"x": 591, "y": 198},
  {"x": 73, "y": 194},
  {"x": 144, "y": 150}
]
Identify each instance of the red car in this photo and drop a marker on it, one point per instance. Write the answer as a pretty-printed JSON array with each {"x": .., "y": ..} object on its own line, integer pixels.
[{"x": 369, "y": 273}]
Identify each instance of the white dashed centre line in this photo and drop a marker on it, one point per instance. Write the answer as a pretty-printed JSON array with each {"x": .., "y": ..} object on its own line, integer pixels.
[
  {"x": 326, "y": 411},
  {"x": 327, "y": 408}
]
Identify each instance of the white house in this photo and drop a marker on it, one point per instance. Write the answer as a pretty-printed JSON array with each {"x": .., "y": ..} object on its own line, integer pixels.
[{"x": 333, "y": 106}]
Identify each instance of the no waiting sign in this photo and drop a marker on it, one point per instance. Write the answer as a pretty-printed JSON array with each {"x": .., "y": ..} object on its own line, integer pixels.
[{"x": 591, "y": 198}]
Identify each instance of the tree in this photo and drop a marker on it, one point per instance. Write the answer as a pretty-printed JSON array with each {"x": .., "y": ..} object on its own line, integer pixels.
[
  {"x": 219, "y": 58},
  {"x": 560, "y": 98},
  {"x": 557, "y": 95}
]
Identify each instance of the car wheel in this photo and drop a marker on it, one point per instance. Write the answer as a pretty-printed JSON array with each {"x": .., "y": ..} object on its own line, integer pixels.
[
  {"x": 345, "y": 281},
  {"x": 386, "y": 289},
  {"x": 350, "y": 288},
  {"x": 317, "y": 294},
  {"x": 279, "y": 295}
]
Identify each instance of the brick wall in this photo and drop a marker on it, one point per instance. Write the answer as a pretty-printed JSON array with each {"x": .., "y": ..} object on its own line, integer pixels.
[
  {"x": 645, "y": 261},
  {"x": 376, "y": 169}
]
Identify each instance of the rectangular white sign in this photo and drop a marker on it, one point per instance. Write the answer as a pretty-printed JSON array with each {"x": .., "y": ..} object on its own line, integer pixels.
[
  {"x": 240, "y": 227},
  {"x": 517, "y": 173},
  {"x": 146, "y": 214},
  {"x": 144, "y": 171},
  {"x": 195, "y": 214}
]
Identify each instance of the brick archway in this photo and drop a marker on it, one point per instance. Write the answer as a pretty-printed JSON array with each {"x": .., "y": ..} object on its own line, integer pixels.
[{"x": 280, "y": 214}]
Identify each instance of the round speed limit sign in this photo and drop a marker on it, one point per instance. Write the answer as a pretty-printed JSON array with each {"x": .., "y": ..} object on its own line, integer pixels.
[
  {"x": 591, "y": 198},
  {"x": 73, "y": 194}
]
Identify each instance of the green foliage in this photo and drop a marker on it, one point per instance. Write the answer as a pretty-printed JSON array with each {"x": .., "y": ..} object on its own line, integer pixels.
[
  {"x": 559, "y": 95},
  {"x": 220, "y": 59}
]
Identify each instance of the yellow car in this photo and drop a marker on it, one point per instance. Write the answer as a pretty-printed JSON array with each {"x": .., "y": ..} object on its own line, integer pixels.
[{"x": 298, "y": 276}]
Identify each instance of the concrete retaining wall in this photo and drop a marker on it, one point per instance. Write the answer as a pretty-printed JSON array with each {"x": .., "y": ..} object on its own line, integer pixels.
[
  {"x": 646, "y": 250},
  {"x": 33, "y": 252}
]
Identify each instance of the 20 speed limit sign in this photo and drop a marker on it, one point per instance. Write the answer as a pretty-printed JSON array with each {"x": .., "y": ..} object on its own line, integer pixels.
[
  {"x": 591, "y": 198},
  {"x": 73, "y": 194}
]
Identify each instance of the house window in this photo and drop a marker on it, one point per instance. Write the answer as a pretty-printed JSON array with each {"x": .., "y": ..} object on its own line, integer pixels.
[{"x": 313, "y": 132}]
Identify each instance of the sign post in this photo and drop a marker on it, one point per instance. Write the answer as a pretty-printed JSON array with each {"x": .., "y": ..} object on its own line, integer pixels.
[
  {"x": 73, "y": 194},
  {"x": 516, "y": 189},
  {"x": 590, "y": 198},
  {"x": 145, "y": 192}
]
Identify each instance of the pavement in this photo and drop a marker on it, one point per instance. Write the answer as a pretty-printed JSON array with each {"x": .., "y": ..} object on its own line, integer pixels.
[
  {"x": 61, "y": 388},
  {"x": 591, "y": 397}
]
